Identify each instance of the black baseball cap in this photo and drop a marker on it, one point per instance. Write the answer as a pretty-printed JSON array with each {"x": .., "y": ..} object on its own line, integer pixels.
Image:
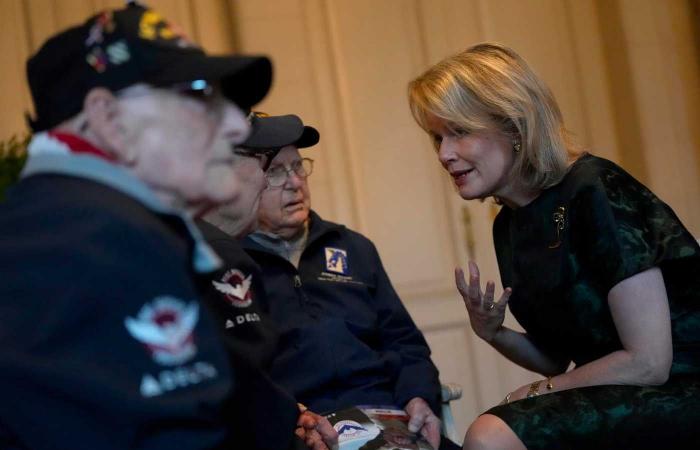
[
  {"x": 275, "y": 132},
  {"x": 118, "y": 48}
]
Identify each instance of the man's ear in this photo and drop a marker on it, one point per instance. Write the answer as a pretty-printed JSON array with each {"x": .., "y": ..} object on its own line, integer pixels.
[{"x": 104, "y": 122}]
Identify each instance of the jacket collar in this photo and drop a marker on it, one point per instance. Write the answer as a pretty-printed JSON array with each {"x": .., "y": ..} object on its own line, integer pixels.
[
  {"x": 318, "y": 229},
  {"x": 49, "y": 155}
]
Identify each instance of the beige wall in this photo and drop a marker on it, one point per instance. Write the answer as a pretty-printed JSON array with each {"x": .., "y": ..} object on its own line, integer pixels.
[{"x": 625, "y": 72}]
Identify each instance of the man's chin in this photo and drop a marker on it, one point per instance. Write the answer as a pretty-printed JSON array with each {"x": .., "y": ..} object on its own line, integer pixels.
[{"x": 297, "y": 217}]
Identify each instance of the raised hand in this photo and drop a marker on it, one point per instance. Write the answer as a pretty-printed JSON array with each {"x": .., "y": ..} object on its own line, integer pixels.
[{"x": 485, "y": 315}]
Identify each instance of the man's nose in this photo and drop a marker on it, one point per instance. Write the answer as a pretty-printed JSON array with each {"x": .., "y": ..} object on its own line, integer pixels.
[{"x": 294, "y": 181}]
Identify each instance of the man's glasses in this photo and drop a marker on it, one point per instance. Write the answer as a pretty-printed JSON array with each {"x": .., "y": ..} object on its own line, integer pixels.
[
  {"x": 264, "y": 156},
  {"x": 200, "y": 90},
  {"x": 197, "y": 89},
  {"x": 277, "y": 176}
]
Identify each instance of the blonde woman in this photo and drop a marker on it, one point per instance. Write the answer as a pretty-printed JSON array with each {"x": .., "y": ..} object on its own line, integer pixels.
[{"x": 597, "y": 270}]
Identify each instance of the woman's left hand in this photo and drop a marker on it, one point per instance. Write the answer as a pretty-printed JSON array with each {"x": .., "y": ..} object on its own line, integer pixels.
[{"x": 485, "y": 315}]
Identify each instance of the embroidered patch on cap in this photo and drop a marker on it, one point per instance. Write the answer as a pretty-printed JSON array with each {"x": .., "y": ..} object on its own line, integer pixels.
[
  {"x": 336, "y": 260},
  {"x": 153, "y": 27},
  {"x": 236, "y": 287}
]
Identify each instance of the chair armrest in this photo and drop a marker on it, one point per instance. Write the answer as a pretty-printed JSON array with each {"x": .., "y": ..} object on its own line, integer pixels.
[{"x": 450, "y": 391}]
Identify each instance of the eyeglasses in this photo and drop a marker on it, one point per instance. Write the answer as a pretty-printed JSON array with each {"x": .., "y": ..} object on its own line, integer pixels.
[
  {"x": 197, "y": 89},
  {"x": 200, "y": 90},
  {"x": 277, "y": 176},
  {"x": 264, "y": 156}
]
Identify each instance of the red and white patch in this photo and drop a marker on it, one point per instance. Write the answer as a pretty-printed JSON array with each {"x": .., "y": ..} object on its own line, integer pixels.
[
  {"x": 236, "y": 288},
  {"x": 166, "y": 327}
]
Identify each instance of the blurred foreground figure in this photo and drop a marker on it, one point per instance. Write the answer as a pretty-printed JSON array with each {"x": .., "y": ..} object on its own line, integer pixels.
[{"x": 103, "y": 342}]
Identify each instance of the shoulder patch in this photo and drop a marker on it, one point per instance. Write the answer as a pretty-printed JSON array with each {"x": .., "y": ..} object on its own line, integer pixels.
[
  {"x": 236, "y": 288},
  {"x": 166, "y": 327}
]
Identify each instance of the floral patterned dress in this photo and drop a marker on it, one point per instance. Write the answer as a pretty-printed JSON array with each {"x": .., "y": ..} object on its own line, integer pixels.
[{"x": 561, "y": 254}]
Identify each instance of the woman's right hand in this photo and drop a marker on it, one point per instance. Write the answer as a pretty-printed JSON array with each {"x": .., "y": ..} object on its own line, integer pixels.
[{"x": 485, "y": 316}]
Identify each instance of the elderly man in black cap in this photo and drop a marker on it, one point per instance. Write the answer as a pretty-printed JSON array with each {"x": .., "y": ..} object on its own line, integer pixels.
[
  {"x": 104, "y": 342},
  {"x": 345, "y": 337},
  {"x": 236, "y": 296}
]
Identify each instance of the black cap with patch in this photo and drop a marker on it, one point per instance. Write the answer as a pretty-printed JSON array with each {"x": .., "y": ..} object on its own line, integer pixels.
[
  {"x": 119, "y": 48},
  {"x": 275, "y": 132}
]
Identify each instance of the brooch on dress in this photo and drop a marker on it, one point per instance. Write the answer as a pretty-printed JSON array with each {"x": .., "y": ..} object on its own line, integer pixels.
[{"x": 559, "y": 217}]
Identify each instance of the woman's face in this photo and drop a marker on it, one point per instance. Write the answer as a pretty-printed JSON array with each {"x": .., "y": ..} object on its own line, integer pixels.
[{"x": 479, "y": 162}]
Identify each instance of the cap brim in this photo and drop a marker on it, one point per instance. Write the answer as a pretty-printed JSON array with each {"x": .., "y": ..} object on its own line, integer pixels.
[
  {"x": 245, "y": 80},
  {"x": 275, "y": 132},
  {"x": 309, "y": 137}
]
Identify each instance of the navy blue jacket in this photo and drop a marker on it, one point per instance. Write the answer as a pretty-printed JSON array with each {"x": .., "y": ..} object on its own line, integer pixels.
[
  {"x": 236, "y": 297},
  {"x": 103, "y": 340},
  {"x": 345, "y": 336}
]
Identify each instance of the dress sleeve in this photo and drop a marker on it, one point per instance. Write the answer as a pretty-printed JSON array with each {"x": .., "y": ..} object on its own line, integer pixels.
[{"x": 620, "y": 228}]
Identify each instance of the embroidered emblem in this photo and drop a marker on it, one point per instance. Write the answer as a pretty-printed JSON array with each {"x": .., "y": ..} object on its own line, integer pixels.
[
  {"x": 179, "y": 377},
  {"x": 166, "y": 328},
  {"x": 350, "y": 430},
  {"x": 153, "y": 27},
  {"x": 336, "y": 260},
  {"x": 118, "y": 53},
  {"x": 103, "y": 24},
  {"x": 236, "y": 287},
  {"x": 97, "y": 59},
  {"x": 559, "y": 218},
  {"x": 241, "y": 319}
]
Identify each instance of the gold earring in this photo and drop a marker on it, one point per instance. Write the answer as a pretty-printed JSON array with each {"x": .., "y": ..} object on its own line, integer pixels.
[{"x": 516, "y": 146}]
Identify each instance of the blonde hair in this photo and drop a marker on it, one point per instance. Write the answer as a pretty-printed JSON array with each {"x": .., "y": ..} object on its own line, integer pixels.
[{"x": 490, "y": 87}]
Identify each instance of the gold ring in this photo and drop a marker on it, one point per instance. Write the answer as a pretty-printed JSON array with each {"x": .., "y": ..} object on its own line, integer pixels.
[{"x": 491, "y": 306}]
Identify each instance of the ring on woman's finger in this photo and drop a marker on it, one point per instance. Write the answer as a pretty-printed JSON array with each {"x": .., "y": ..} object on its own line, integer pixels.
[{"x": 490, "y": 306}]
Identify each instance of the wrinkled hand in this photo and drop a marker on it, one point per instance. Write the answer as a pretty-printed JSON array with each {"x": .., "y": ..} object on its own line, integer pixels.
[
  {"x": 316, "y": 431},
  {"x": 485, "y": 316},
  {"x": 424, "y": 420}
]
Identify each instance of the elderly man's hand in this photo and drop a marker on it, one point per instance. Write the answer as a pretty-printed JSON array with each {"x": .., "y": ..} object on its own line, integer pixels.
[
  {"x": 422, "y": 419},
  {"x": 316, "y": 431}
]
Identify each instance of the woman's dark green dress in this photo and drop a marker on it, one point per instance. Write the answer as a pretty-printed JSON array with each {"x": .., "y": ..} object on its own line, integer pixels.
[{"x": 562, "y": 254}]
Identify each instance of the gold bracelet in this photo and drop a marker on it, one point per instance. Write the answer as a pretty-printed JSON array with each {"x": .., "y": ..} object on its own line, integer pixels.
[
  {"x": 534, "y": 389},
  {"x": 507, "y": 399}
]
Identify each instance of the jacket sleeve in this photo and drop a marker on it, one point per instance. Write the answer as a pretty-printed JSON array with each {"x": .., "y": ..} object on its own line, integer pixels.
[{"x": 417, "y": 376}]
